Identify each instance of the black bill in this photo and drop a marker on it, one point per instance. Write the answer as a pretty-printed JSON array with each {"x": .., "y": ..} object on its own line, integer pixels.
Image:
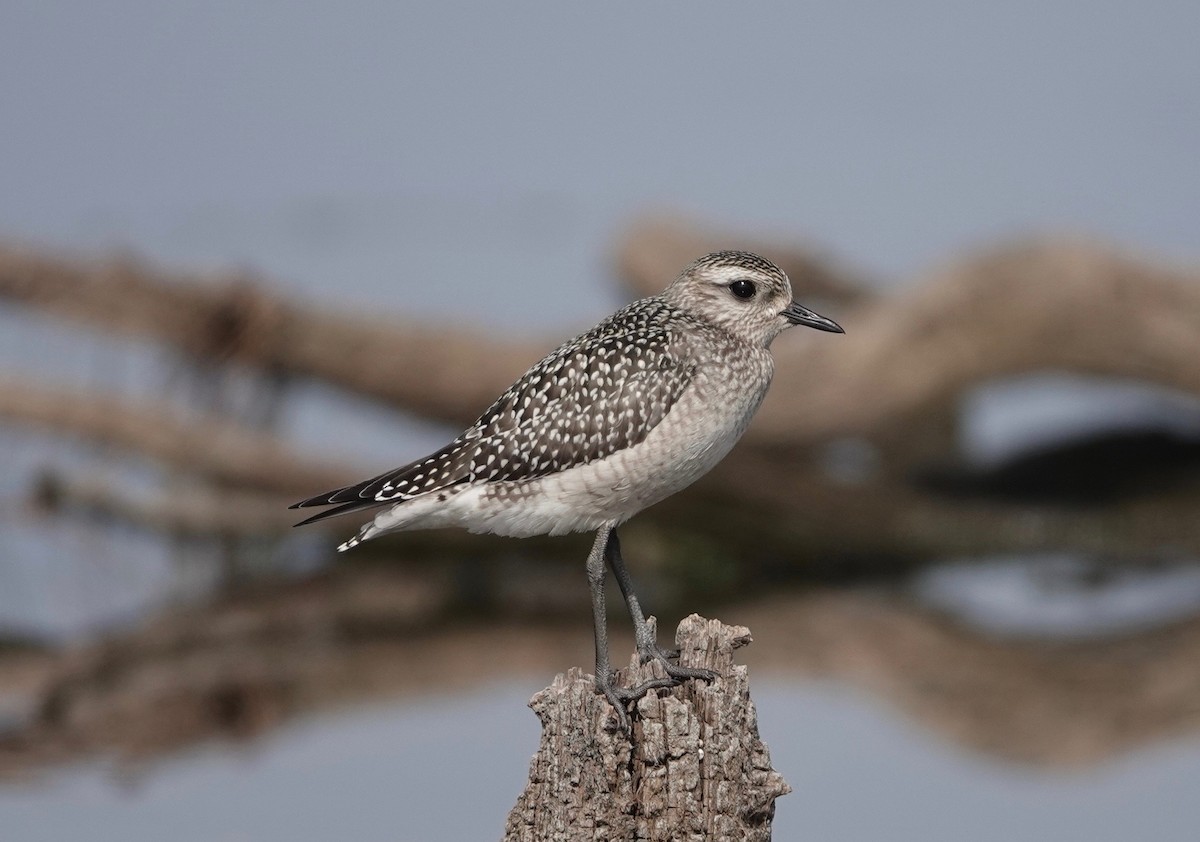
[{"x": 798, "y": 315}]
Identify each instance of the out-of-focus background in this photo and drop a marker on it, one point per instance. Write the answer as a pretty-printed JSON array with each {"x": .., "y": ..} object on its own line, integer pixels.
[{"x": 246, "y": 250}]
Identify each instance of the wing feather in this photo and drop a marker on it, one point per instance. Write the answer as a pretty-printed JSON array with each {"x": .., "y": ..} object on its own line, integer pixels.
[{"x": 598, "y": 394}]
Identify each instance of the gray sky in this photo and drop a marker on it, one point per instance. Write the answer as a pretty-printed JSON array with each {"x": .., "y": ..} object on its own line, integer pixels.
[{"x": 893, "y": 133}]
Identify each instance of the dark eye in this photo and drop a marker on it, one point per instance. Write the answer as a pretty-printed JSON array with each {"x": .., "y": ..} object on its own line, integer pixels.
[{"x": 743, "y": 289}]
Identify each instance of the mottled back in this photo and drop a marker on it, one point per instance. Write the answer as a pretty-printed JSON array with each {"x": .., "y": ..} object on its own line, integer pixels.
[{"x": 602, "y": 392}]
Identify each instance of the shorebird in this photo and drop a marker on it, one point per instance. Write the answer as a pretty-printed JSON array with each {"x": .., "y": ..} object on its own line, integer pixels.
[{"x": 615, "y": 420}]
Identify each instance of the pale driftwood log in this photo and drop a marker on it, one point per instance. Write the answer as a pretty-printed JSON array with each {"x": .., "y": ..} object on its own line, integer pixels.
[
  {"x": 1061, "y": 306},
  {"x": 693, "y": 767},
  {"x": 403, "y": 361},
  {"x": 220, "y": 450},
  {"x": 1066, "y": 305}
]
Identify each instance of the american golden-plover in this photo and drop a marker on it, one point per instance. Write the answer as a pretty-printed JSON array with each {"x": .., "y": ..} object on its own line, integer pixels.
[{"x": 615, "y": 420}]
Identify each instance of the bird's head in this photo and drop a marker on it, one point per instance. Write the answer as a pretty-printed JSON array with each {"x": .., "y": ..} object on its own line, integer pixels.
[{"x": 746, "y": 294}]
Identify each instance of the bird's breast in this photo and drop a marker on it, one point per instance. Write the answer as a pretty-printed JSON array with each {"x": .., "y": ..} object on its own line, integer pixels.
[{"x": 701, "y": 427}]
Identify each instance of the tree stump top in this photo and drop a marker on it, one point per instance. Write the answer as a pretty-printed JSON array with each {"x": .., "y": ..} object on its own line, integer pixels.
[{"x": 692, "y": 768}]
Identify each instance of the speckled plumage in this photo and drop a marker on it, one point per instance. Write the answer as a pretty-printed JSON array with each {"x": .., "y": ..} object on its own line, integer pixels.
[
  {"x": 613, "y": 421},
  {"x": 569, "y": 445},
  {"x": 597, "y": 394}
]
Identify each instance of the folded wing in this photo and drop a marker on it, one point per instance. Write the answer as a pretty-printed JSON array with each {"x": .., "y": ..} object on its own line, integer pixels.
[{"x": 598, "y": 394}]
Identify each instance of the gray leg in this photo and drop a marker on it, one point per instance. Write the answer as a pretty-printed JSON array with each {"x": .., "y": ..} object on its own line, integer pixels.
[
  {"x": 647, "y": 646},
  {"x": 618, "y": 697},
  {"x": 641, "y": 629},
  {"x": 595, "y": 575}
]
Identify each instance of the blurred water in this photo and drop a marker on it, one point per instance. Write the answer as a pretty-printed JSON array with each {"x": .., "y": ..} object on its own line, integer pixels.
[
  {"x": 1060, "y": 596},
  {"x": 61, "y": 577},
  {"x": 450, "y": 769},
  {"x": 392, "y": 773},
  {"x": 862, "y": 773},
  {"x": 1002, "y": 419}
]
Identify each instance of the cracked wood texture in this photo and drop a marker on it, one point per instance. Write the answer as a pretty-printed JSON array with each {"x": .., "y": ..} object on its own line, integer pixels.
[{"x": 693, "y": 768}]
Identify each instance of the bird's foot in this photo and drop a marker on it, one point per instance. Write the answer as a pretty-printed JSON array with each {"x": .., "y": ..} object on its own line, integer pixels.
[
  {"x": 621, "y": 697},
  {"x": 654, "y": 652},
  {"x": 668, "y": 658}
]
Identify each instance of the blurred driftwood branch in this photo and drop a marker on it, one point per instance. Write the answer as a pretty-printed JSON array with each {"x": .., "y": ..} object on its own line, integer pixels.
[
  {"x": 255, "y": 659},
  {"x": 1035, "y": 306},
  {"x": 440, "y": 371},
  {"x": 223, "y": 451},
  {"x": 830, "y": 465},
  {"x": 694, "y": 767},
  {"x": 189, "y": 511},
  {"x": 1038, "y": 305}
]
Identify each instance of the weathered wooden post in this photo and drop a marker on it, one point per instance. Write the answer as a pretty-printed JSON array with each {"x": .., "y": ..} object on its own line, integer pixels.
[{"x": 693, "y": 768}]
